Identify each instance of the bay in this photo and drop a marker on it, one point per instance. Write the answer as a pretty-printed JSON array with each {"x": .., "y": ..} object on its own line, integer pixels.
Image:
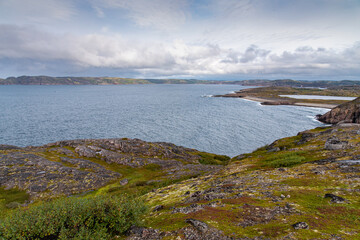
[{"x": 181, "y": 114}]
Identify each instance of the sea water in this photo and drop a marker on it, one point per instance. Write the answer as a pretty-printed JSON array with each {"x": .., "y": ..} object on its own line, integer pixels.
[{"x": 185, "y": 115}]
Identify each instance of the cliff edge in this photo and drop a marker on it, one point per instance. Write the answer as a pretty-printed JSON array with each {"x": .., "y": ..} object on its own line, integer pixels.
[{"x": 347, "y": 112}]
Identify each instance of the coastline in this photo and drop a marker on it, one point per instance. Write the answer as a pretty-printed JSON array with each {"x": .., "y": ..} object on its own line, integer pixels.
[
  {"x": 274, "y": 96},
  {"x": 265, "y": 101}
]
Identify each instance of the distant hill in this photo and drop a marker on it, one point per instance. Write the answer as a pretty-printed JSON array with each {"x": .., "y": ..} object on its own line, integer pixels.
[
  {"x": 46, "y": 80},
  {"x": 297, "y": 83}
]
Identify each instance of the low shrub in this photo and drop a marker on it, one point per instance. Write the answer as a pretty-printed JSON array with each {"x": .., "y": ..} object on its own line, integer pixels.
[
  {"x": 213, "y": 159},
  {"x": 284, "y": 160},
  {"x": 99, "y": 217}
]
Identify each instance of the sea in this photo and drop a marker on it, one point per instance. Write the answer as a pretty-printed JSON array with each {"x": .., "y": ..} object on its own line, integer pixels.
[{"x": 186, "y": 115}]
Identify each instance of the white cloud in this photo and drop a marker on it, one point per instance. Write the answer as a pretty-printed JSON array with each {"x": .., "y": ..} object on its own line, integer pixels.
[
  {"x": 35, "y": 11},
  {"x": 178, "y": 58},
  {"x": 159, "y": 14}
]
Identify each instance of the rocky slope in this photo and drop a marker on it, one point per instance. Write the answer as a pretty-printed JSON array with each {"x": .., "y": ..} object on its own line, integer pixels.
[
  {"x": 347, "y": 112},
  {"x": 77, "y": 166},
  {"x": 302, "y": 187}
]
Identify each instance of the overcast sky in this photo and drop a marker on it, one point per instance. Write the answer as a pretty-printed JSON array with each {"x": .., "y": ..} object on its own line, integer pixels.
[{"x": 203, "y": 39}]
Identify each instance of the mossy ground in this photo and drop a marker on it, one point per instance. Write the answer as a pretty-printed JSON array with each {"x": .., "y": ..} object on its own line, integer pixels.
[
  {"x": 11, "y": 198},
  {"x": 265, "y": 186}
]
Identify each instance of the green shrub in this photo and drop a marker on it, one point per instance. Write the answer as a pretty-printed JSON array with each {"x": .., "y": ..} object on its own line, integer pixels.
[
  {"x": 153, "y": 167},
  {"x": 98, "y": 217},
  {"x": 284, "y": 160},
  {"x": 213, "y": 159}
]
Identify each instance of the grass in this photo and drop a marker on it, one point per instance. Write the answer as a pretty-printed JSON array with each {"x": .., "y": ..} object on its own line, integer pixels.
[{"x": 10, "y": 199}]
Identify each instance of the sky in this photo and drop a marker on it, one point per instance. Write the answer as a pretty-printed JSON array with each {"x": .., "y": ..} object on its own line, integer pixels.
[{"x": 201, "y": 39}]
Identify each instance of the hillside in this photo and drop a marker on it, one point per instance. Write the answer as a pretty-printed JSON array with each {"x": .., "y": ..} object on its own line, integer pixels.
[
  {"x": 301, "y": 187},
  {"x": 46, "y": 80}
]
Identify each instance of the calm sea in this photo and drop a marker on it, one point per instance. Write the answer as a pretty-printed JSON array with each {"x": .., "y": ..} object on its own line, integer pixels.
[{"x": 180, "y": 114}]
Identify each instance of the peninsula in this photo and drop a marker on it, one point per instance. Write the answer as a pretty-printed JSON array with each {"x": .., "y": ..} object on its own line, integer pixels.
[{"x": 275, "y": 95}]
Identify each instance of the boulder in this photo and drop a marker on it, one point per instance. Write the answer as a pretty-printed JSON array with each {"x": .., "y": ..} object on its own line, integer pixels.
[
  {"x": 334, "y": 198},
  {"x": 334, "y": 143},
  {"x": 300, "y": 225}
]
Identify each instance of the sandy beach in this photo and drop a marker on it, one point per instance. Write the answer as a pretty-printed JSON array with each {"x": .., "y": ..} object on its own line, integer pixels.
[{"x": 262, "y": 100}]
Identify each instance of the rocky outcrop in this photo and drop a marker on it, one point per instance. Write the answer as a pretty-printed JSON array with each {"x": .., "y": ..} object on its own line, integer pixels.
[
  {"x": 76, "y": 166},
  {"x": 41, "y": 177},
  {"x": 345, "y": 113}
]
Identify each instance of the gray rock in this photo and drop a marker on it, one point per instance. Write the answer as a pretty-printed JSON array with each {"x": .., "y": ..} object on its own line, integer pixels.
[
  {"x": 158, "y": 208},
  {"x": 334, "y": 143},
  {"x": 300, "y": 225},
  {"x": 124, "y": 181},
  {"x": 199, "y": 225},
  {"x": 84, "y": 151},
  {"x": 334, "y": 198},
  {"x": 8, "y": 147}
]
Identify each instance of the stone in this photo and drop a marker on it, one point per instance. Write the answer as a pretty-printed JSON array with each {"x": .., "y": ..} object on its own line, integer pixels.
[
  {"x": 84, "y": 151},
  {"x": 333, "y": 143},
  {"x": 334, "y": 198},
  {"x": 124, "y": 181},
  {"x": 300, "y": 225},
  {"x": 199, "y": 225},
  {"x": 158, "y": 208},
  {"x": 8, "y": 147}
]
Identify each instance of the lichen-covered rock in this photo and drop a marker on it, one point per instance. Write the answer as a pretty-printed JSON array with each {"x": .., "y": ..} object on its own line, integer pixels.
[
  {"x": 8, "y": 147},
  {"x": 41, "y": 177},
  {"x": 333, "y": 143}
]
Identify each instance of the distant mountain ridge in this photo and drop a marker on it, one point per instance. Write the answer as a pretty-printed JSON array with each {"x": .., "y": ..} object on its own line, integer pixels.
[{"x": 47, "y": 80}]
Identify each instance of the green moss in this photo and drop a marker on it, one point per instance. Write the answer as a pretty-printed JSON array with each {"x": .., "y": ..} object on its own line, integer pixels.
[
  {"x": 153, "y": 167},
  {"x": 13, "y": 195},
  {"x": 11, "y": 198}
]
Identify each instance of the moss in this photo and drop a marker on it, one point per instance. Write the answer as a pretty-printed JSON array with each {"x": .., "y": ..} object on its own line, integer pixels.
[{"x": 10, "y": 198}]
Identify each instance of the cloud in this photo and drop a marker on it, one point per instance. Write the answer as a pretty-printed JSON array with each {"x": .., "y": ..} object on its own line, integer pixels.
[
  {"x": 159, "y": 14},
  {"x": 32, "y": 49},
  {"x": 36, "y": 11}
]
